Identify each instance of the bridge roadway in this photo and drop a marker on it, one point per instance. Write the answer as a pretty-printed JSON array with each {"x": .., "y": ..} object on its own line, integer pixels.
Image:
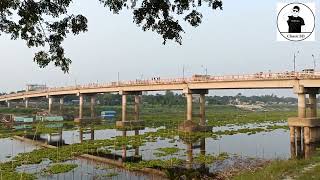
[
  {"x": 306, "y": 125},
  {"x": 253, "y": 81}
]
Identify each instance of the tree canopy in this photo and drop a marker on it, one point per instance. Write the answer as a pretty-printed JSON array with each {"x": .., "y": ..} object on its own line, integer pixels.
[{"x": 45, "y": 24}]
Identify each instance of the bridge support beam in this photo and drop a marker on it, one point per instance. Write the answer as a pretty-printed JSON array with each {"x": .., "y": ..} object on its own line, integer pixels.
[
  {"x": 137, "y": 107},
  {"x": 92, "y": 105},
  {"x": 202, "y": 109},
  {"x": 306, "y": 125},
  {"x": 124, "y": 107},
  {"x": 312, "y": 106},
  {"x": 8, "y": 104},
  {"x": 26, "y": 101},
  {"x": 301, "y": 105},
  {"x": 189, "y": 107},
  {"x": 81, "y": 106},
  {"x": 61, "y": 104},
  {"x": 189, "y": 125},
  {"x": 50, "y": 102},
  {"x": 136, "y": 123}
]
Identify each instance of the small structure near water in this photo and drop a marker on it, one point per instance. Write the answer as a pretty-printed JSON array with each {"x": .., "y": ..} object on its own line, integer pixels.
[
  {"x": 45, "y": 116},
  {"x": 108, "y": 114}
]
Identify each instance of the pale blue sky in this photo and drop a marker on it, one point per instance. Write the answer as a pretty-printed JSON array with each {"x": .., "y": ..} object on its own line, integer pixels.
[{"x": 240, "y": 39}]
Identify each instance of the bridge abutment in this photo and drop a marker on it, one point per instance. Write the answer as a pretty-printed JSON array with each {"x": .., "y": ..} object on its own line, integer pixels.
[{"x": 305, "y": 127}]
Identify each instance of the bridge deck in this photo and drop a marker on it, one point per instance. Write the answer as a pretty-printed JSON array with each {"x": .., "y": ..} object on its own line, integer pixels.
[{"x": 251, "y": 81}]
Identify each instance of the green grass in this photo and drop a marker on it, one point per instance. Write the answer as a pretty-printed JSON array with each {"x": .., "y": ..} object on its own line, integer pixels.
[
  {"x": 311, "y": 174},
  {"x": 279, "y": 169}
]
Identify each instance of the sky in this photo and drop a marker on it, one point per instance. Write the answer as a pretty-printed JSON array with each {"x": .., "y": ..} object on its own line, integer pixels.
[{"x": 241, "y": 39}]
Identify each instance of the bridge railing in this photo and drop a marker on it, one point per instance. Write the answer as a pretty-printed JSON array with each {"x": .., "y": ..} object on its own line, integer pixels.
[{"x": 194, "y": 79}]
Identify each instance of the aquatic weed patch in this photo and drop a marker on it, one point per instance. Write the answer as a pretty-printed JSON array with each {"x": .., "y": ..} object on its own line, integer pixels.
[
  {"x": 166, "y": 151},
  {"x": 59, "y": 168}
]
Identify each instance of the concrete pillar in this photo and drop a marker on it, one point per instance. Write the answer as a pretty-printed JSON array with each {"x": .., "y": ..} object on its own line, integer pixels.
[
  {"x": 8, "y": 104},
  {"x": 306, "y": 135},
  {"x": 26, "y": 102},
  {"x": 61, "y": 104},
  {"x": 293, "y": 150},
  {"x": 92, "y": 106},
  {"x": 299, "y": 150},
  {"x": 202, "y": 109},
  {"x": 189, "y": 106},
  {"x": 137, "y": 107},
  {"x": 80, "y": 106},
  {"x": 292, "y": 134},
  {"x": 313, "y": 104},
  {"x": 298, "y": 134},
  {"x": 301, "y": 105},
  {"x": 124, "y": 107},
  {"x": 50, "y": 99}
]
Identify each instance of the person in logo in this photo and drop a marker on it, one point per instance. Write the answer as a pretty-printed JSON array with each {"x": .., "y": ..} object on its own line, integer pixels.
[{"x": 295, "y": 22}]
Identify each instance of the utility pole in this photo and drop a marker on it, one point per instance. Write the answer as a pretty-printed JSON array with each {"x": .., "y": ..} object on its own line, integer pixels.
[
  {"x": 183, "y": 72},
  {"x": 314, "y": 62},
  {"x": 118, "y": 77},
  {"x": 294, "y": 61},
  {"x": 205, "y": 70}
]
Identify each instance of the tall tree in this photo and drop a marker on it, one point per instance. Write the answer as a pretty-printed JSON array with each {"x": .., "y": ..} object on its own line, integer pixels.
[{"x": 46, "y": 23}]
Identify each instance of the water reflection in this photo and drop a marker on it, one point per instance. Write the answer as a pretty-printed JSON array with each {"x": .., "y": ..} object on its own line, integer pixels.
[
  {"x": 300, "y": 150},
  {"x": 266, "y": 145}
]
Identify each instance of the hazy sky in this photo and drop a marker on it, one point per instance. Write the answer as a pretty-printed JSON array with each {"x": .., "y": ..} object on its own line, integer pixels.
[{"x": 240, "y": 39}]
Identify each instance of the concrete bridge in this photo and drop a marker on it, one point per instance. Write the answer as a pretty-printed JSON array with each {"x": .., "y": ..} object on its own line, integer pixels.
[{"x": 305, "y": 127}]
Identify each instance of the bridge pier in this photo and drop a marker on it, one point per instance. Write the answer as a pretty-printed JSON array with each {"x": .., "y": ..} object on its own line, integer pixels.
[
  {"x": 61, "y": 103},
  {"x": 81, "y": 106},
  {"x": 130, "y": 124},
  {"x": 137, "y": 107},
  {"x": 202, "y": 109},
  {"x": 50, "y": 103},
  {"x": 306, "y": 125},
  {"x": 189, "y": 125},
  {"x": 26, "y": 101},
  {"x": 8, "y": 104},
  {"x": 92, "y": 106}
]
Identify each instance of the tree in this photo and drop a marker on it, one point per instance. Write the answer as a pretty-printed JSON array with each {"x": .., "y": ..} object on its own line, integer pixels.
[{"x": 46, "y": 23}]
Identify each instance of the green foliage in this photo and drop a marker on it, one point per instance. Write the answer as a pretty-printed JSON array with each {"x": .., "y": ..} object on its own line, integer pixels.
[
  {"x": 166, "y": 151},
  {"x": 59, "y": 168},
  {"x": 209, "y": 159},
  {"x": 279, "y": 169},
  {"x": 110, "y": 175},
  {"x": 18, "y": 111}
]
